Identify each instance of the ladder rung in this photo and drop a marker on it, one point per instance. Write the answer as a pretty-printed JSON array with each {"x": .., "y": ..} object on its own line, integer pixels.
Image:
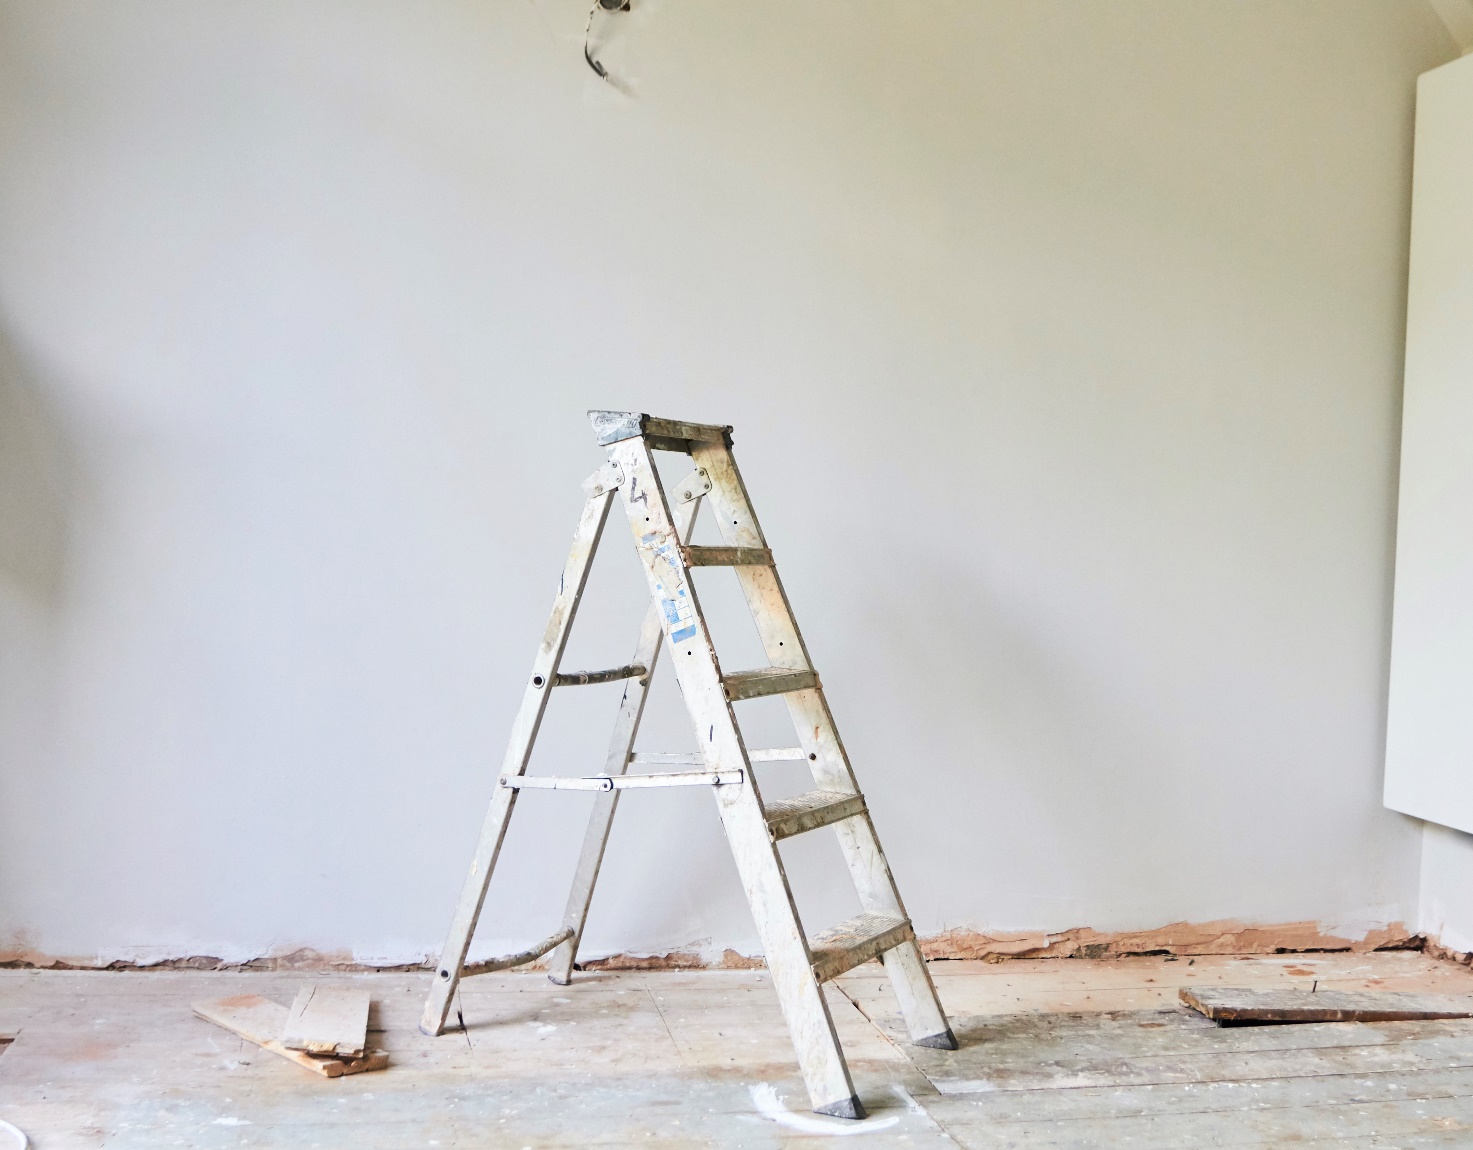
[
  {"x": 521, "y": 958},
  {"x": 855, "y": 941},
  {"x": 766, "y": 681},
  {"x": 583, "y": 678},
  {"x": 728, "y": 557},
  {"x": 623, "y": 782},
  {"x": 808, "y": 812},
  {"x": 668, "y": 758}
]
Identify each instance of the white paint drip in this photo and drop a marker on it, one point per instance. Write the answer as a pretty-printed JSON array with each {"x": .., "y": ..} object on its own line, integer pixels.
[
  {"x": 769, "y": 1105},
  {"x": 908, "y": 1098},
  {"x": 231, "y": 1121}
]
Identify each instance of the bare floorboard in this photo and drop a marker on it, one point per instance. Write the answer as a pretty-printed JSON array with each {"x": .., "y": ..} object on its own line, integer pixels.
[{"x": 1055, "y": 1053}]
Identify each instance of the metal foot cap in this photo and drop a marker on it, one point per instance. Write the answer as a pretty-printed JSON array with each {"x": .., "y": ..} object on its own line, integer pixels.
[
  {"x": 946, "y": 1040},
  {"x": 850, "y": 1107}
]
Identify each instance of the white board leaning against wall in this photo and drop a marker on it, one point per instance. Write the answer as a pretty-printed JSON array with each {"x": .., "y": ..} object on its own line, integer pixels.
[{"x": 1429, "y": 740}]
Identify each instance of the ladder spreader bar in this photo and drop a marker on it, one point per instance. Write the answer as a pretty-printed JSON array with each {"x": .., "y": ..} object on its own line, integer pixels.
[
  {"x": 521, "y": 958},
  {"x": 694, "y": 758},
  {"x": 624, "y": 782},
  {"x": 583, "y": 678}
]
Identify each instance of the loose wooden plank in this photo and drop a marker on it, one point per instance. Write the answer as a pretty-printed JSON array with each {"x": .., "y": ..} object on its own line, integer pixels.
[
  {"x": 260, "y": 1020},
  {"x": 1236, "y": 1005},
  {"x": 1026, "y": 1054},
  {"x": 327, "y": 1020}
]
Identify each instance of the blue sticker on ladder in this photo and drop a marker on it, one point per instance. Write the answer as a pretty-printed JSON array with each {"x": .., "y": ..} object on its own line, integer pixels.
[{"x": 680, "y": 615}]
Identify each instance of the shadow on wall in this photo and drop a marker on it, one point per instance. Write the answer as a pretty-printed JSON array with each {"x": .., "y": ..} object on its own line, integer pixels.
[{"x": 36, "y": 487}]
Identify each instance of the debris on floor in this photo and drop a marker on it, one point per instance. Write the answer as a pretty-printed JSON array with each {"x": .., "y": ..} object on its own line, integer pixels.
[
  {"x": 331, "y": 1020},
  {"x": 262, "y": 1021},
  {"x": 1239, "y": 1006}
]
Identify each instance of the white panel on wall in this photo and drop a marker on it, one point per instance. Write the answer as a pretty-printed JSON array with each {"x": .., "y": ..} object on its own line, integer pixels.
[{"x": 1429, "y": 746}]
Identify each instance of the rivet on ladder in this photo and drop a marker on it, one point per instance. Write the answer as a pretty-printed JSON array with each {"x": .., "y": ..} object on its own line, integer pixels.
[{"x": 537, "y": 680}]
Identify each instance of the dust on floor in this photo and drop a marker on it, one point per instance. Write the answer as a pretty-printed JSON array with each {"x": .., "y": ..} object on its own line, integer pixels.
[{"x": 1055, "y": 1053}]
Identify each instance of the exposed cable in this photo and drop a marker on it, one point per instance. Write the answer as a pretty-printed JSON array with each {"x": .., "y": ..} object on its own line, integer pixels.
[
  {"x": 607, "y": 6},
  {"x": 587, "y": 54}
]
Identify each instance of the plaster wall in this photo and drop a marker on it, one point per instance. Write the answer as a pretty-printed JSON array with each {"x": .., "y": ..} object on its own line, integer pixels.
[
  {"x": 1063, "y": 346},
  {"x": 1446, "y": 911}
]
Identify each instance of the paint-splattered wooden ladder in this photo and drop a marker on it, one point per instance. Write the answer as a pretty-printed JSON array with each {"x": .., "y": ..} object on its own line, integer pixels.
[{"x": 799, "y": 965}]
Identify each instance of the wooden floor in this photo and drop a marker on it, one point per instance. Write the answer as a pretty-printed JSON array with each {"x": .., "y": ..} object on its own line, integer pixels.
[{"x": 1059, "y": 1053}]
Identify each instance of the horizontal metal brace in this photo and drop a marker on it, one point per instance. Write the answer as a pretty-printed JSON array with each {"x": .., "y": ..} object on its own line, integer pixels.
[
  {"x": 668, "y": 758},
  {"x": 521, "y": 958},
  {"x": 626, "y": 782},
  {"x": 584, "y": 678},
  {"x": 777, "y": 754},
  {"x": 695, "y": 759}
]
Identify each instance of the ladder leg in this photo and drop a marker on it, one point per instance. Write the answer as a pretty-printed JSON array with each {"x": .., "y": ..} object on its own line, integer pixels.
[
  {"x": 698, "y": 672},
  {"x": 820, "y": 1057},
  {"x": 921, "y": 1008},
  {"x": 518, "y": 753},
  {"x": 626, "y": 727},
  {"x": 919, "y": 1004},
  {"x": 778, "y": 629}
]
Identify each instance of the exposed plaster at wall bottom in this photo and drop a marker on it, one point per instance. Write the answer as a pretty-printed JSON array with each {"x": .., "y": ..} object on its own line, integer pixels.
[
  {"x": 1435, "y": 949},
  {"x": 1082, "y": 942}
]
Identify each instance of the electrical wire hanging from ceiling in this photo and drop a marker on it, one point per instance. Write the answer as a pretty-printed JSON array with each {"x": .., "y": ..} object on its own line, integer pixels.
[{"x": 607, "y": 6}]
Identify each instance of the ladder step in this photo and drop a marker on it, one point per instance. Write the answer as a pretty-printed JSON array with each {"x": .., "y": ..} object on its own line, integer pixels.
[
  {"x": 808, "y": 812},
  {"x": 728, "y": 557},
  {"x": 855, "y": 941},
  {"x": 766, "y": 681},
  {"x": 521, "y": 958},
  {"x": 583, "y": 678},
  {"x": 623, "y": 782}
]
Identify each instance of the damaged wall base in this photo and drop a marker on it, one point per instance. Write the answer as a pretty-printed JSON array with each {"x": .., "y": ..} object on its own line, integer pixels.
[{"x": 1179, "y": 938}]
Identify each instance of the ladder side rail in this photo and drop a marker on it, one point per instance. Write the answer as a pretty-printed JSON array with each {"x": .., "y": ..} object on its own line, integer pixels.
[
  {"x": 518, "y": 752},
  {"x": 777, "y": 627},
  {"x": 698, "y": 672},
  {"x": 616, "y": 762}
]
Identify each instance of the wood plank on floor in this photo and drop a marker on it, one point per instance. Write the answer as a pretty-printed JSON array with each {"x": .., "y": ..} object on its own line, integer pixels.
[
  {"x": 327, "y": 1019},
  {"x": 1236, "y": 1004}
]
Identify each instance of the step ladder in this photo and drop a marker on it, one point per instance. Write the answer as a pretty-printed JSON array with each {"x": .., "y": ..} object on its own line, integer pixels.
[{"x": 662, "y": 522}]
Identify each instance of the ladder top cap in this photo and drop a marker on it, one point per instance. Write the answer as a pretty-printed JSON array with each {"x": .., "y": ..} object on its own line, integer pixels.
[{"x": 613, "y": 426}]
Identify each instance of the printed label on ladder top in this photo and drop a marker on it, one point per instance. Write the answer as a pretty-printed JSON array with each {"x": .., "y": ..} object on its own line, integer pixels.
[{"x": 680, "y": 614}]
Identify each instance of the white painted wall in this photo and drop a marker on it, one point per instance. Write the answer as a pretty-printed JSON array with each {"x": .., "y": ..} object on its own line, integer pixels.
[
  {"x": 1446, "y": 911},
  {"x": 1097, "y": 308}
]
